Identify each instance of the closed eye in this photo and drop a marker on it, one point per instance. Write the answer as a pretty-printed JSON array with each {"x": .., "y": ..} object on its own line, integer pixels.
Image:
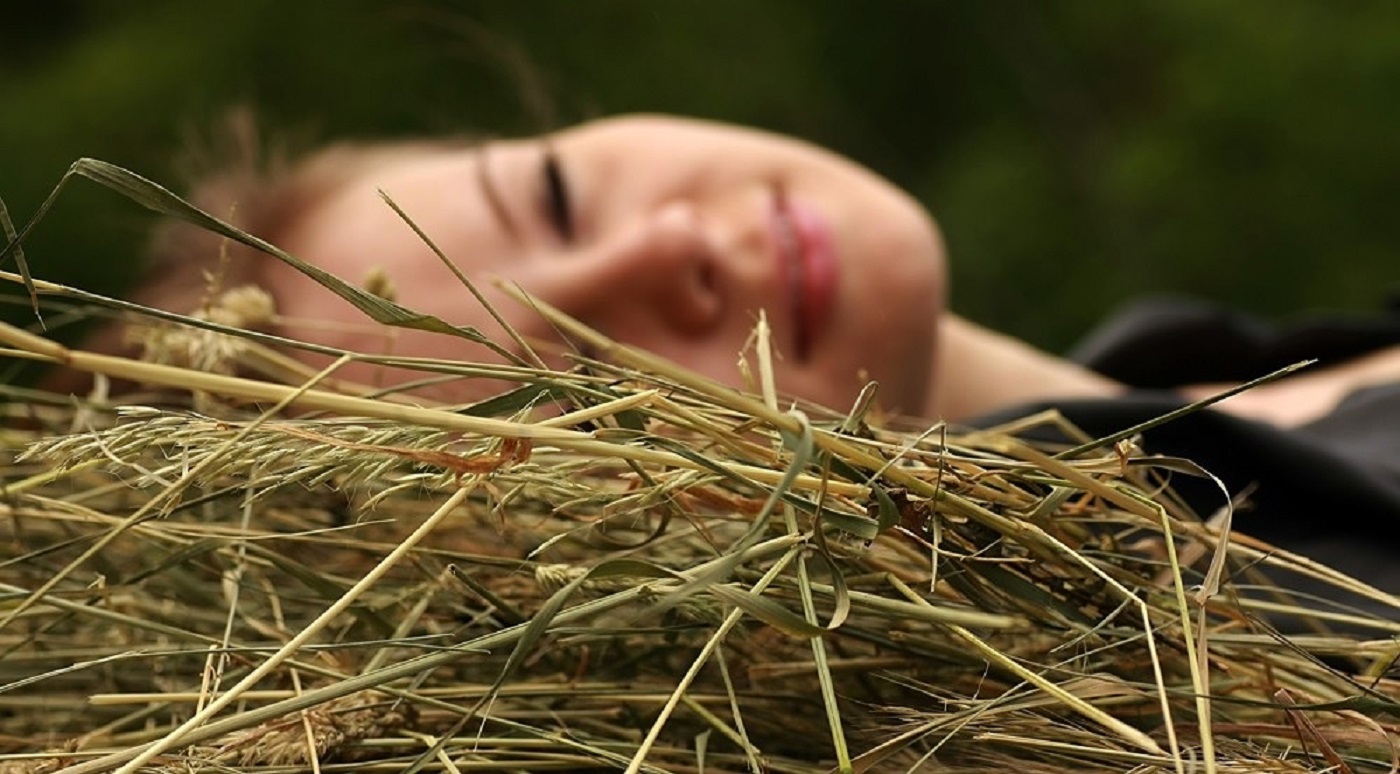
[{"x": 557, "y": 204}]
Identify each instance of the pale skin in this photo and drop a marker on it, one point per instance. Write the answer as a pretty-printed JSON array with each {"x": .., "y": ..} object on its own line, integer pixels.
[{"x": 673, "y": 235}]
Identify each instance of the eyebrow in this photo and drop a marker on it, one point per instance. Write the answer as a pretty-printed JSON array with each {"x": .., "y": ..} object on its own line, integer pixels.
[{"x": 493, "y": 193}]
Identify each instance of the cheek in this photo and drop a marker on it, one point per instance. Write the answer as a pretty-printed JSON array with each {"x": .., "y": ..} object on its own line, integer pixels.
[
  {"x": 893, "y": 335},
  {"x": 901, "y": 262},
  {"x": 913, "y": 243},
  {"x": 912, "y": 280}
]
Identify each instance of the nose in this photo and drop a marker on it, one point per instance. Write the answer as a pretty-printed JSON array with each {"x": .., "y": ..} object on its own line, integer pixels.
[{"x": 661, "y": 270}]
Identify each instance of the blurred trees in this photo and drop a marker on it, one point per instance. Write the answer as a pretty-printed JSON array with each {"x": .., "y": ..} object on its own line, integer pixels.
[{"x": 1076, "y": 153}]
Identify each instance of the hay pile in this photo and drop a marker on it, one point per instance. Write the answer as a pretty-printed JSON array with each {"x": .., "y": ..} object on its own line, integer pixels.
[{"x": 658, "y": 574}]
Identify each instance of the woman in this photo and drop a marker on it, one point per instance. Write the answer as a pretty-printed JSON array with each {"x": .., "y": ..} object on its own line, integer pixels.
[
  {"x": 673, "y": 234},
  {"x": 670, "y": 234}
]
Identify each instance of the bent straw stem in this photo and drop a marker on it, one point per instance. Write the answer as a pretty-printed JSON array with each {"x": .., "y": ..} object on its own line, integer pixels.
[{"x": 254, "y": 390}]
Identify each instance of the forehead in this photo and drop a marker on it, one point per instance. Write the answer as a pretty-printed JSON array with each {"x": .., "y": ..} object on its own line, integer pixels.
[
  {"x": 434, "y": 187},
  {"x": 439, "y": 185},
  {"x": 352, "y": 232},
  {"x": 644, "y": 132},
  {"x": 420, "y": 180}
]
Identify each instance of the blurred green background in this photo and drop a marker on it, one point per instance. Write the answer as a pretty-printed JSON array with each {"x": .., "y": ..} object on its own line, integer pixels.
[{"x": 1076, "y": 153}]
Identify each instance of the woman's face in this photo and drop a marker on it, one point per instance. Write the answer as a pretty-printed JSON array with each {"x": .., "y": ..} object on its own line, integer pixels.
[{"x": 665, "y": 233}]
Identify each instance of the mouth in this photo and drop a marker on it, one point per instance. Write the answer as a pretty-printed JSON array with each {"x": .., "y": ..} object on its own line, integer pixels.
[{"x": 807, "y": 257}]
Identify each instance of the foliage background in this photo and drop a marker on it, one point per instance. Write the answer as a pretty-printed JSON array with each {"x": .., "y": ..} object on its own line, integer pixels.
[{"x": 1076, "y": 153}]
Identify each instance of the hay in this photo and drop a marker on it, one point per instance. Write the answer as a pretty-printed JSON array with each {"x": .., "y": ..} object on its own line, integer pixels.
[{"x": 624, "y": 567}]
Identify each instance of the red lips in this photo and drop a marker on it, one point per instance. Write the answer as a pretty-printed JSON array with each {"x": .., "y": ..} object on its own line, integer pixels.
[{"x": 807, "y": 258}]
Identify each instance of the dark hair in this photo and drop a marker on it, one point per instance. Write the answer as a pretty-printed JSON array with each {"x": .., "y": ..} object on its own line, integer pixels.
[{"x": 259, "y": 185}]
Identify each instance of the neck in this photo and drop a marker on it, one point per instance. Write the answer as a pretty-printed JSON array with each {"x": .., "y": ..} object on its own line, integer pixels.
[{"x": 978, "y": 371}]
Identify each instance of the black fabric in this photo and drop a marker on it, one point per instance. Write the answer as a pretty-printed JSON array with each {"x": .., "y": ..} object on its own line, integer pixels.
[
  {"x": 1329, "y": 490},
  {"x": 1166, "y": 342}
]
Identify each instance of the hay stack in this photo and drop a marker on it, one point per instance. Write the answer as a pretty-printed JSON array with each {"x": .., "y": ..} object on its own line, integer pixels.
[{"x": 654, "y": 574}]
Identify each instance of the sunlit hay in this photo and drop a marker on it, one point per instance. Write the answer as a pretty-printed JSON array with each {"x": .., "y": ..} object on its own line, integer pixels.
[
  {"x": 635, "y": 534},
  {"x": 202, "y": 349},
  {"x": 328, "y": 727},
  {"x": 627, "y": 567}
]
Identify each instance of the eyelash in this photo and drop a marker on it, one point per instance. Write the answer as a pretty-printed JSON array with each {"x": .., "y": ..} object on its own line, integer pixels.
[{"x": 557, "y": 203}]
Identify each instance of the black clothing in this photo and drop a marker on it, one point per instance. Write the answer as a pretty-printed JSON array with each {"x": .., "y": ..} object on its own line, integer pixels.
[{"x": 1329, "y": 490}]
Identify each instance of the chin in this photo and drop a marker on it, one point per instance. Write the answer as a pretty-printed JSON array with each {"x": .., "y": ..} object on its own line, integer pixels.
[{"x": 903, "y": 384}]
